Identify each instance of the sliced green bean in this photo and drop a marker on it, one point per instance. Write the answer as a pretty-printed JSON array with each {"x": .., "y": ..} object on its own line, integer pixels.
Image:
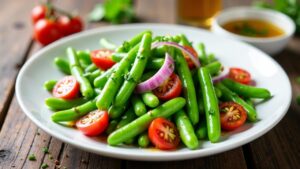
[
  {"x": 184, "y": 40},
  {"x": 218, "y": 92},
  {"x": 128, "y": 117},
  {"x": 107, "y": 44},
  {"x": 155, "y": 63},
  {"x": 62, "y": 104},
  {"x": 101, "y": 80},
  {"x": 112, "y": 126},
  {"x": 246, "y": 90},
  {"x": 84, "y": 57},
  {"x": 186, "y": 130},
  {"x": 128, "y": 45},
  {"x": 49, "y": 85},
  {"x": 228, "y": 95},
  {"x": 74, "y": 113},
  {"x": 114, "y": 82},
  {"x": 92, "y": 76},
  {"x": 63, "y": 65},
  {"x": 115, "y": 111},
  {"x": 143, "y": 140},
  {"x": 188, "y": 88},
  {"x": 141, "y": 124},
  {"x": 214, "y": 67},
  {"x": 92, "y": 67},
  {"x": 211, "y": 106},
  {"x": 150, "y": 99},
  {"x": 136, "y": 72},
  {"x": 138, "y": 105},
  {"x": 200, "y": 48},
  {"x": 117, "y": 57},
  {"x": 201, "y": 132}
]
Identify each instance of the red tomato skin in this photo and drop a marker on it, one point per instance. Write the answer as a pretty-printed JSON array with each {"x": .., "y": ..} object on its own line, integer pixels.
[
  {"x": 102, "y": 58},
  {"x": 156, "y": 125},
  {"x": 175, "y": 91},
  {"x": 38, "y": 12},
  {"x": 69, "y": 26},
  {"x": 46, "y": 31},
  {"x": 95, "y": 128},
  {"x": 71, "y": 93},
  {"x": 234, "y": 75},
  {"x": 188, "y": 59},
  {"x": 228, "y": 125}
]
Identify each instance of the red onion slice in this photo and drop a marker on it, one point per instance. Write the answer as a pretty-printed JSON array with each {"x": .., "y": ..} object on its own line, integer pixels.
[
  {"x": 222, "y": 75},
  {"x": 194, "y": 59},
  {"x": 159, "y": 77}
]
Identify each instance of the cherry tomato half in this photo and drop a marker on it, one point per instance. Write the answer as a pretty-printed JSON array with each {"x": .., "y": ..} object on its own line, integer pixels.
[
  {"x": 240, "y": 75},
  {"x": 102, "y": 58},
  {"x": 94, "y": 123},
  {"x": 170, "y": 89},
  {"x": 163, "y": 134},
  {"x": 69, "y": 26},
  {"x": 187, "y": 57},
  {"x": 46, "y": 31},
  {"x": 38, "y": 12},
  {"x": 66, "y": 88},
  {"x": 232, "y": 115}
]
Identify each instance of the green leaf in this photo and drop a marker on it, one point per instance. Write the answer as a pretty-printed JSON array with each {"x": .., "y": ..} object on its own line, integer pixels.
[{"x": 97, "y": 13}]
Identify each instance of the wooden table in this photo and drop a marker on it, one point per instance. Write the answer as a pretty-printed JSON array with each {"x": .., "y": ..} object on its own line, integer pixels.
[{"x": 19, "y": 137}]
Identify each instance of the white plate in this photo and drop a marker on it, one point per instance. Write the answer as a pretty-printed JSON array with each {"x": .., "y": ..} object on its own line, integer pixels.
[{"x": 265, "y": 71}]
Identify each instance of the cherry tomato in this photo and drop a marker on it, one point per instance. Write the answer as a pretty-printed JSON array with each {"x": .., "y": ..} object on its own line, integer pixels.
[
  {"x": 170, "y": 89},
  {"x": 240, "y": 75},
  {"x": 66, "y": 88},
  {"x": 102, "y": 58},
  {"x": 38, "y": 12},
  {"x": 46, "y": 31},
  {"x": 187, "y": 57},
  {"x": 163, "y": 134},
  {"x": 94, "y": 123},
  {"x": 233, "y": 115},
  {"x": 70, "y": 26}
]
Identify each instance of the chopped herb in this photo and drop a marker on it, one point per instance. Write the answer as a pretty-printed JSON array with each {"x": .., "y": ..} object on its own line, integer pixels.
[
  {"x": 32, "y": 157},
  {"x": 44, "y": 165},
  {"x": 45, "y": 150}
]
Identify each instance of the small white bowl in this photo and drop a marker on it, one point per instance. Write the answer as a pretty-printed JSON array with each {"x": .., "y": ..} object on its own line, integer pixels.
[{"x": 269, "y": 45}]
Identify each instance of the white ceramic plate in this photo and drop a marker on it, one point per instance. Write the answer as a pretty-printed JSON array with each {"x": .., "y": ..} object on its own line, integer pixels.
[{"x": 265, "y": 71}]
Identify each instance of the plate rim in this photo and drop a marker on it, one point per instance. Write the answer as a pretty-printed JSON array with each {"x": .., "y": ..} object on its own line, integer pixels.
[{"x": 168, "y": 156}]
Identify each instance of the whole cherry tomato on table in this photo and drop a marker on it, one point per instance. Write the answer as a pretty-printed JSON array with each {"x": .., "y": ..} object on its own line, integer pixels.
[
  {"x": 69, "y": 25},
  {"x": 46, "y": 31},
  {"x": 38, "y": 12}
]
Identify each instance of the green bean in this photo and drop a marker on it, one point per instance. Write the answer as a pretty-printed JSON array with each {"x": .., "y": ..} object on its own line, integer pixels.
[
  {"x": 200, "y": 102},
  {"x": 130, "y": 141},
  {"x": 49, "y": 85},
  {"x": 128, "y": 117},
  {"x": 115, "y": 111},
  {"x": 141, "y": 124},
  {"x": 246, "y": 90},
  {"x": 211, "y": 106},
  {"x": 250, "y": 102},
  {"x": 74, "y": 113},
  {"x": 62, "y": 104},
  {"x": 63, "y": 65},
  {"x": 101, "y": 80},
  {"x": 143, "y": 140},
  {"x": 211, "y": 58},
  {"x": 188, "y": 88},
  {"x": 136, "y": 71},
  {"x": 76, "y": 70},
  {"x": 202, "y": 53},
  {"x": 117, "y": 57},
  {"x": 128, "y": 45},
  {"x": 92, "y": 76},
  {"x": 201, "y": 132},
  {"x": 214, "y": 67},
  {"x": 114, "y": 82},
  {"x": 150, "y": 99},
  {"x": 155, "y": 63},
  {"x": 112, "y": 126},
  {"x": 107, "y": 44},
  {"x": 184, "y": 41},
  {"x": 92, "y": 67},
  {"x": 218, "y": 92},
  {"x": 228, "y": 95},
  {"x": 84, "y": 57},
  {"x": 186, "y": 130},
  {"x": 138, "y": 105}
]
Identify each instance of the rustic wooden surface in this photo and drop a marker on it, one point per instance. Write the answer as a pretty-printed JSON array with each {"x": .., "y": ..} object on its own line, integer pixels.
[{"x": 19, "y": 137}]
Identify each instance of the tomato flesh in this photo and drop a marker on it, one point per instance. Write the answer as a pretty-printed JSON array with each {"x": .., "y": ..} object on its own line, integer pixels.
[
  {"x": 69, "y": 26},
  {"x": 66, "y": 88},
  {"x": 187, "y": 57},
  {"x": 94, "y": 123},
  {"x": 170, "y": 89},
  {"x": 102, "y": 58},
  {"x": 240, "y": 75},
  {"x": 232, "y": 115},
  {"x": 46, "y": 31},
  {"x": 163, "y": 134}
]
